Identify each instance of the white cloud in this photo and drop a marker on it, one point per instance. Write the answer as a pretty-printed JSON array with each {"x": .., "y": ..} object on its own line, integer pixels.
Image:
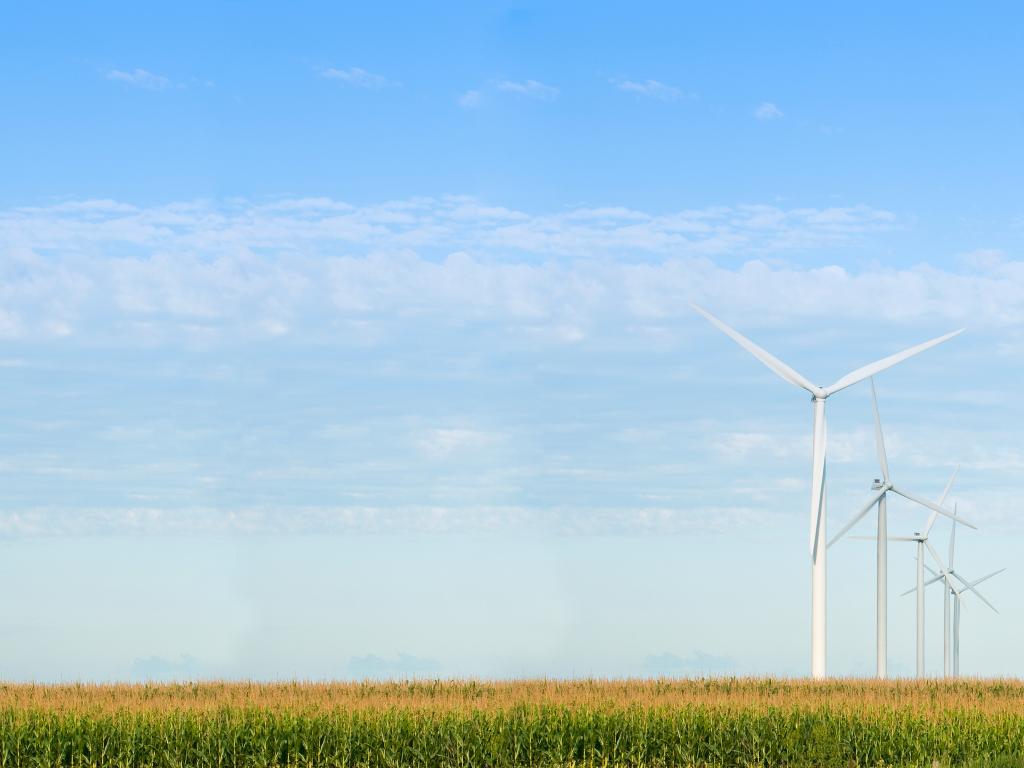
[
  {"x": 293, "y": 267},
  {"x": 984, "y": 259},
  {"x": 656, "y": 520},
  {"x": 582, "y": 520},
  {"x": 649, "y": 88},
  {"x": 844, "y": 447},
  {"x": 357, "y": 77},
  {"x": 209, "y": 520},
  {"x": 323, "y": 269},
  {"x": 443, "y": 443},
  {"x": 530, "y": 88},
  {"x": 140, "y": 78},
  {"x": 469, "y": 99},
  {"x": 767, "y": 111}
]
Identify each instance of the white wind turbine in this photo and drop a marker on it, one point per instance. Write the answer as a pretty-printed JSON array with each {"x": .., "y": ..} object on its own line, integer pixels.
[
  {"x": 818, "y": 498},
  {"x": 921, "y": 539},
  {"x": 882, "y": 487},
  {"x": 971, "y": 586},
  {"x": 949, "y": 588}
]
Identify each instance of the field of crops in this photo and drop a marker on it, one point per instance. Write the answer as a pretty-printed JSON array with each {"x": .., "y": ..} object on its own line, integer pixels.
[{"x": 726, "y": 722}]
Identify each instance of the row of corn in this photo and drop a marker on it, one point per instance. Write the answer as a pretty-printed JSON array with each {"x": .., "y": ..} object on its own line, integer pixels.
[{"x": 523, "y": 735}]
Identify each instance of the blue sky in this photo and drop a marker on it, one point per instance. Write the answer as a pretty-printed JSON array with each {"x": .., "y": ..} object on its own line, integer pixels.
[{"x": 354, "y": 340}]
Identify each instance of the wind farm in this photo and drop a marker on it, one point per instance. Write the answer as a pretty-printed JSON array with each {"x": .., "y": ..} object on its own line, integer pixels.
[{"x": 818, "y": 518}]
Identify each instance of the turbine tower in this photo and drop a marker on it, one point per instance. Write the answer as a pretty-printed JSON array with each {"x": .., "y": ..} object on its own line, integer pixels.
[
  {"x": 818, "y": 497},
  {"x": 882, "y": 487}
]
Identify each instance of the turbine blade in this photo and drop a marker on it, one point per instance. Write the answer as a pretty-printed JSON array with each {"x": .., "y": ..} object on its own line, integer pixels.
[
  {"x": 857, "y": 518},
  {"x": 974, "y": 589},
  {"x": 976, "y": 582},
  {"x": 952, "y": 539},
  {"x": 887, "y": 538},
  {"x": 933, "y": 579},
  {"x": 886, "y": 362},
  {"x": 949, "y": 485},
  {"x": 935, "y": 555},
  {"x": 914, "y": 589},
  {"x": 932, "y": 506},
  {"x": 879, "y": 440},
  {"x": 930, "y": 570},
  {"x": 986, "y": 578},
  {"x": 986, "y": 602},
  {"x": 764, "y": 356},
  {"x": 942, "y": 500}
]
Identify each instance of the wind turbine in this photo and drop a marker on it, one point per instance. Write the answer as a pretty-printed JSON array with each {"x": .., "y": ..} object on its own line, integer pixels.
[
  {"x": 947, "y": 576},
  {"x": 818, "y": 498},
  {"x": 921, "y": 539},
  {"x": 922, "y": 542},
  {"x": 971, "y": 586},
  {"x": 882, "y": 487}
]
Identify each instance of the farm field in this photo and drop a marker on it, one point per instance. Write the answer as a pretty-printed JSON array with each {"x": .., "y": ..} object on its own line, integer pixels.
[{"x": 714, "y": 722}]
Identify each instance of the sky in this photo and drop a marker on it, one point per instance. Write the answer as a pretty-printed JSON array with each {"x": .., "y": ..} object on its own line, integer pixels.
[{"x": 354, "y": 340}]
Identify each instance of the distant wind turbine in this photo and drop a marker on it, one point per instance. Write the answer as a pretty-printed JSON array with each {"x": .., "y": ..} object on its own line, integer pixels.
[
  {"x": 921, "y": 539},
  {"x": 956, "y": 616},
  {"x": 882, "y": 487},
  {"x": 949, "y": 588},
  {"x": 818, "y": 497}
]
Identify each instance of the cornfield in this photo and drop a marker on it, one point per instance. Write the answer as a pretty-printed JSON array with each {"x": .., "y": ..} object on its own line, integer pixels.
[{"x": 713, "y": 722}]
